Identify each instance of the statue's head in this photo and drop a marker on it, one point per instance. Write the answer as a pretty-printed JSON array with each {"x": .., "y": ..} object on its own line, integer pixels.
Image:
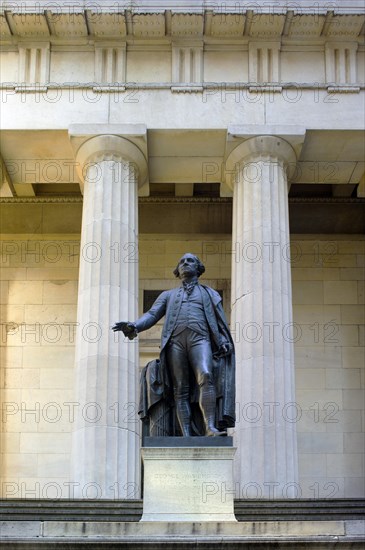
[{"x": 189, "y": 265}]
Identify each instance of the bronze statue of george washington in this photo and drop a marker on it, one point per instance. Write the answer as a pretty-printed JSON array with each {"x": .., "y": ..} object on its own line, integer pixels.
[{"x": 195, "y": 375}]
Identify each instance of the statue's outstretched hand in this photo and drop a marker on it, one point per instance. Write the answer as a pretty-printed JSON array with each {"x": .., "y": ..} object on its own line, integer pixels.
[{"x": 128, "y": 329}]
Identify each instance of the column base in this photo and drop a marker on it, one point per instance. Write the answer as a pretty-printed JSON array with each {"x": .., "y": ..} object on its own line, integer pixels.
[{"x": 189, "y": 483}]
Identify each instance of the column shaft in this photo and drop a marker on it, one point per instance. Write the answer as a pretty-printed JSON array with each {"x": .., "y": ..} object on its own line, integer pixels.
[
  {"x": 266, "y": 462},
  {"x": 106, "y": 438}
]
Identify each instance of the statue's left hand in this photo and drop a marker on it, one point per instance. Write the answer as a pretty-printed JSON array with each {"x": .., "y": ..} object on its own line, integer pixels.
[{"x": 224, "y": 349}]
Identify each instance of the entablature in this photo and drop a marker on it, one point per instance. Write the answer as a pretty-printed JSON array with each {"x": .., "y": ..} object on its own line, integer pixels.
[{"x": 123, "y": 41}]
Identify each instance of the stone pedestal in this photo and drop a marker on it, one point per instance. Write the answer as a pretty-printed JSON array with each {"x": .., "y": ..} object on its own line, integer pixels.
[{"x": 188, "y": 484}]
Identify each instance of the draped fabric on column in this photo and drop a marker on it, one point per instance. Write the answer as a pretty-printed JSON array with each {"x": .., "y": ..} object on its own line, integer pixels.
[
  {"x": 266, "y": 459},
  {"x": 105, "y": 452}
]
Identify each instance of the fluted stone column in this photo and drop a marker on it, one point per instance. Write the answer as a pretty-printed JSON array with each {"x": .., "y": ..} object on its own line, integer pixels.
[
  {"x": 105, "y": 451},
  {"x": 266, "y": 458}
]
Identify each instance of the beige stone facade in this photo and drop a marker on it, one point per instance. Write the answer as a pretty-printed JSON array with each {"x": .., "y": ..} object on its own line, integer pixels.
[
  {"x": 189, "y": 89},
  {"x": 38, "y": 336}
]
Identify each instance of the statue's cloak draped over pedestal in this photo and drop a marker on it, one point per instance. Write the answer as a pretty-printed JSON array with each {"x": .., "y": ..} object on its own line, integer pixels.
[{"x": 156, "y": 386}]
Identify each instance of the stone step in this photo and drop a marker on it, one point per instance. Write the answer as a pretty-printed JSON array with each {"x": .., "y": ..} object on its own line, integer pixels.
[
  {"x": 315, "y": 543},
  {"x": 299, "y": 509},
  {"x": 182, "y": 535},
  {"x": 131, "y": 510},
  {"x": 77, "y": 510}
]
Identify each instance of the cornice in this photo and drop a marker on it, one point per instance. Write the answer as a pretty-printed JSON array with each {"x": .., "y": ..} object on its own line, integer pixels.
[
  {"x": 179, "y": 200},
  {"x": 142, "y": 200},
  {"x": 184, "y": 200},
  {"x": 38, "y": 200},
  {"x": 201, "y": 86},
  {"x": 72, "y": 22},
  {"x": 189, "y": 6},
  {"x": 326, "y": 200}
]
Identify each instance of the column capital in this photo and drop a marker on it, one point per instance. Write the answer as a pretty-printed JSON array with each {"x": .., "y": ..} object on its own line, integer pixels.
[
  {"x": 96, "y": 142},
  {"x": 249, "y": 143}
]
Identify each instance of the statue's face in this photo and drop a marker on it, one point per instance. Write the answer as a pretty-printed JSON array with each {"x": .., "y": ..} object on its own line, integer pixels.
[{"x": 187, "y": 266}]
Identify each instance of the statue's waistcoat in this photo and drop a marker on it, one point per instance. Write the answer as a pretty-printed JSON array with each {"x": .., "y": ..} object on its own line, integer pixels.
[{"x": 174, "y": 301}]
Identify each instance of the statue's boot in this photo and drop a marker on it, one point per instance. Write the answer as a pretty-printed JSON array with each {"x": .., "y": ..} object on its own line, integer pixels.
[
  {"x": 212, "y": 431},
  {"x": 183, "y": 414},
  {"x": 208, "y": 405}
]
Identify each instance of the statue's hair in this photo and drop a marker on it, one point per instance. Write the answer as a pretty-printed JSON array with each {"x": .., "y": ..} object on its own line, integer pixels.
[{"x": 201, "y": 266}]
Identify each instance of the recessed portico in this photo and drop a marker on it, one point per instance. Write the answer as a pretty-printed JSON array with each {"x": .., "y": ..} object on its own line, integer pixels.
[{"x": 162, "y": 130}]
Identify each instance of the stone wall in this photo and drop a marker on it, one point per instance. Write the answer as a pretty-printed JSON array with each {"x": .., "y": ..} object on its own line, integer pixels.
[
  {"x": 39, "y": 295},
  {"x": 328, "y": 298}
]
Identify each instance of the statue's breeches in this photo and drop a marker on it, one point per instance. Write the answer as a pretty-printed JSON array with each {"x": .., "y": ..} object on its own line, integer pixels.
[{"x": 189, "y": 350}]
